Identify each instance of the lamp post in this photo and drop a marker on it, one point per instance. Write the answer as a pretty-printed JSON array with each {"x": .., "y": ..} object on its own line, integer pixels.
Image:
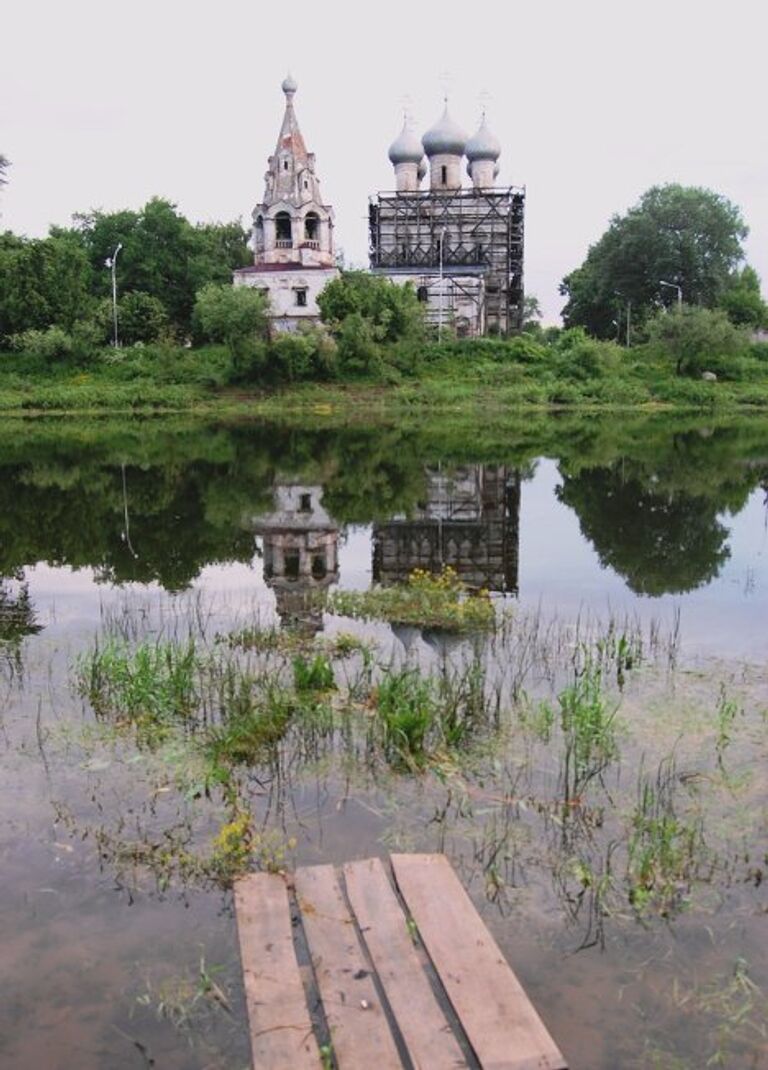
[
  {"x": 674, "y": 286},
  {"x": 111, "y": 262},
  {"x": 442, "y": 299}
]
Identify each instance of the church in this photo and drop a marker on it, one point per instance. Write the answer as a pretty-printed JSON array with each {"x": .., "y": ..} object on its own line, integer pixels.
[
  {"x": 292, "y": 237},
  {"x": 460, "y": 246}
]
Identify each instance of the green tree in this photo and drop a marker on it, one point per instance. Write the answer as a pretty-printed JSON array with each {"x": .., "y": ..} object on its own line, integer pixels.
[
  {"x": 43, "y": 283},
  {"x": 141, "y": 318},
  {"x": 697, "y": 339},
  {"x": 743, "y": 302},
  {"x": 367, "y": 315},
  {"x": 236, "y": 316},
  {"x": 163, "y": 255},
  {"x": 684, "y": 235}
]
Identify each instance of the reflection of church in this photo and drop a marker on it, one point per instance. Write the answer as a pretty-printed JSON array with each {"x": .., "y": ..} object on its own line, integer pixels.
[
  {"x": 300, "y": 543},
  {"x": 469, "y": 520}
]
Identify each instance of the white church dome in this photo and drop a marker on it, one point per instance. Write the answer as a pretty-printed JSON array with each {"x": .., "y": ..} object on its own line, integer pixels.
[
  {"x": 483, "y": 145},
  {"x": 445, "y": 138},
  {"x": 406, "y": 148}
]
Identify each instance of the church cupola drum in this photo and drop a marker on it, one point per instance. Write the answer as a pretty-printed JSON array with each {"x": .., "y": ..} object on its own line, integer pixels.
[{"x": 292, "y": 233}]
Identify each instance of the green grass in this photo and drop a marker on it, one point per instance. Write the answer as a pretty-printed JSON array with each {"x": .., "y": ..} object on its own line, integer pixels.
[{"x": 487, "y": 374}]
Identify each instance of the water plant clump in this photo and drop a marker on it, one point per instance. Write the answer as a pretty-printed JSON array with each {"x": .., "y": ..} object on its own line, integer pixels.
[
  {"x": 151, "y": 686},
  {"x": 314, "y": 675},
  {"x": 664, "y": 851},
  {"x": 440, "y": 601}
]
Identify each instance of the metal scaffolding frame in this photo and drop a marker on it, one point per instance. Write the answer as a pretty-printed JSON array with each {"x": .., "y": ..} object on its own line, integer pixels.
[{"x": 460, "y": 232}]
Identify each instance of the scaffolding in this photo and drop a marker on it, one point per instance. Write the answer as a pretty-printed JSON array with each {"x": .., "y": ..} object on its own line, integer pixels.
[{"x": 471, "y": 240}]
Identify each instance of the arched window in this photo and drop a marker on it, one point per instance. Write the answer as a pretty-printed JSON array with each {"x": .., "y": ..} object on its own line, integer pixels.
[
  {"x": 312, "y": 226},
  {"x": 258, "y": 231},
  {"x": 283, "y": 229},
  {"x": 444, "y": 174},
  {"x": 422, "y": 294}
]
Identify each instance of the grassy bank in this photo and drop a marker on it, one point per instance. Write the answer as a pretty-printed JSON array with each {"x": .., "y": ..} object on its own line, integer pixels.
[{"x": 488, "y": 375}]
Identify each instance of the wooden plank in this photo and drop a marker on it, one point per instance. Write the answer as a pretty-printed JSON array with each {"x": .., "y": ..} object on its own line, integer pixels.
[
  {"x": 503, "y": 1027},
  {"x": 360, "y": 1032},
  {"x": 281, "y": 1030},
  {"x": 427, "y": 1034}
]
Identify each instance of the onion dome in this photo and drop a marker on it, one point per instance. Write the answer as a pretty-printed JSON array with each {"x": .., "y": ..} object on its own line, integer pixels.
[
  {"x": 423, "y": 168},
  {"x": 445, "y": 138},
  {"x": 406, "y": 148},
  {"x": 483, "y": 145},
  {"x": 289, "y": 85}
]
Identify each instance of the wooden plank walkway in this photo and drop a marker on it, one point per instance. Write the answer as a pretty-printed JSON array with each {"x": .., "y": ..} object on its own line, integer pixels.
[{"x": 388, "y": 998}]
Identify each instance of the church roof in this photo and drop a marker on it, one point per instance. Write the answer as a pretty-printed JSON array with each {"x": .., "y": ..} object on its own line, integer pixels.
[{"x": 290, "y": 138}]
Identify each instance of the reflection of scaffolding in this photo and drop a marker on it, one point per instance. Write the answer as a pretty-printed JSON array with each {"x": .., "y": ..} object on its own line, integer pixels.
[
  {"x": 470, "y": 521},
  {"x": 462, "y": 248},
  {"x": 300, "y": 544}
]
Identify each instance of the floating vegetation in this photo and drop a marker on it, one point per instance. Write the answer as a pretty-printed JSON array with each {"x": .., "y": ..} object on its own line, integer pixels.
[{"x": 438, "y": 601}]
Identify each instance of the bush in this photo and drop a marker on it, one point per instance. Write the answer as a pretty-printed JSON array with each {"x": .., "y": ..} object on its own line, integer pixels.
[
  {"x": 579, "y": 357},
  {"x": 236, "y": 316},
  {"x": 51, "y": 345},
  {"x": 697, "y": 340}
]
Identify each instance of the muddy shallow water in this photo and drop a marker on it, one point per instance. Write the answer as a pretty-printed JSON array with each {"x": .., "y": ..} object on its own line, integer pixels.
[{"x": 651, "y": 533}]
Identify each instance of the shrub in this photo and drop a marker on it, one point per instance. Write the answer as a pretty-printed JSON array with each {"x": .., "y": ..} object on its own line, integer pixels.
[
  {"x": 236, "y": 316},
  {"x": 697, "y": 340},
  {"x": 51, "y": 345}
]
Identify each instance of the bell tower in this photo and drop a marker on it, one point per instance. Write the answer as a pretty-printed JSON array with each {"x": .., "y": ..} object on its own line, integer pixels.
[{"x": 292, "y": 225}]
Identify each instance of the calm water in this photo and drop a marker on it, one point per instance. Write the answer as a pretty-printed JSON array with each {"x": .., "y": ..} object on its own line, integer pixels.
[{"x": 157, "y": 527}]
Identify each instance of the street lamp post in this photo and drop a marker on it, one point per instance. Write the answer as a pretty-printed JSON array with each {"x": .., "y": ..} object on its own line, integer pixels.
[
  {"x": 442, "y": 299},
  {"x": 111, "y": 262},
  {"x": 674, "y": 286}
]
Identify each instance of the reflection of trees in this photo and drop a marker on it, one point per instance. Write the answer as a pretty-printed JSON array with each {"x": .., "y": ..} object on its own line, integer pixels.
[
  {"x": 191, "y": 489},
  {"x": 659, "y": 539}
]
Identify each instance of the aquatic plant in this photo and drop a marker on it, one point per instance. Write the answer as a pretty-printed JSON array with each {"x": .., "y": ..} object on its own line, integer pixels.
[
  {"x": 314, "y": 675},
  {"x": 151, "y": 686},
  {"x": 440, "y": 601},
  {"x": 664, "y": 851}
]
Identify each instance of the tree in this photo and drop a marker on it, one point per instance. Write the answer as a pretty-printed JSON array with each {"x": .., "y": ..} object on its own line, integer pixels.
[
  {"x": 684, "y": 235},
  {"x": 236, "y": 316},
  {"x": 43, "y": 283},
  {"x": 366, "y": 314},
  {"x": 163, "y": 254},
  {"x": 697, "y": 339},
  {"x": 743, "y": 302}
]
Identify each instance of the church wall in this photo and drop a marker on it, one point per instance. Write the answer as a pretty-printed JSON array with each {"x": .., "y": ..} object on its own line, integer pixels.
[{"x": 281, "y": 288}]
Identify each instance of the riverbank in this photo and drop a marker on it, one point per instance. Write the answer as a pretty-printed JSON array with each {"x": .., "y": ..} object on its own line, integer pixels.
[{"x": 486, "y": 376}]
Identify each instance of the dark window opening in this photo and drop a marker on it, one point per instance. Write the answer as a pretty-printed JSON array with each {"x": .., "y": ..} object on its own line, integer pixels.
[
  {"x": 312, "y": 226},
  {"x": 283, "y": 230},
  {"x": 444, "y": 174},
  {"x": 301, "y": 298},
  {"x": 285, "y": 165},
  {"x": 292, "y": 562},
  {"x": 439, "y": 248},
  {"x": 305, "y": 503},
  {"x": 319, "y": 567},
  {"x": 422, "y": 294}
]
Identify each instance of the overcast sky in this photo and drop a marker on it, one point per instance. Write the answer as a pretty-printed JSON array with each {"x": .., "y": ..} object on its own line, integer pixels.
[{"x": 105, "y": 105}]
